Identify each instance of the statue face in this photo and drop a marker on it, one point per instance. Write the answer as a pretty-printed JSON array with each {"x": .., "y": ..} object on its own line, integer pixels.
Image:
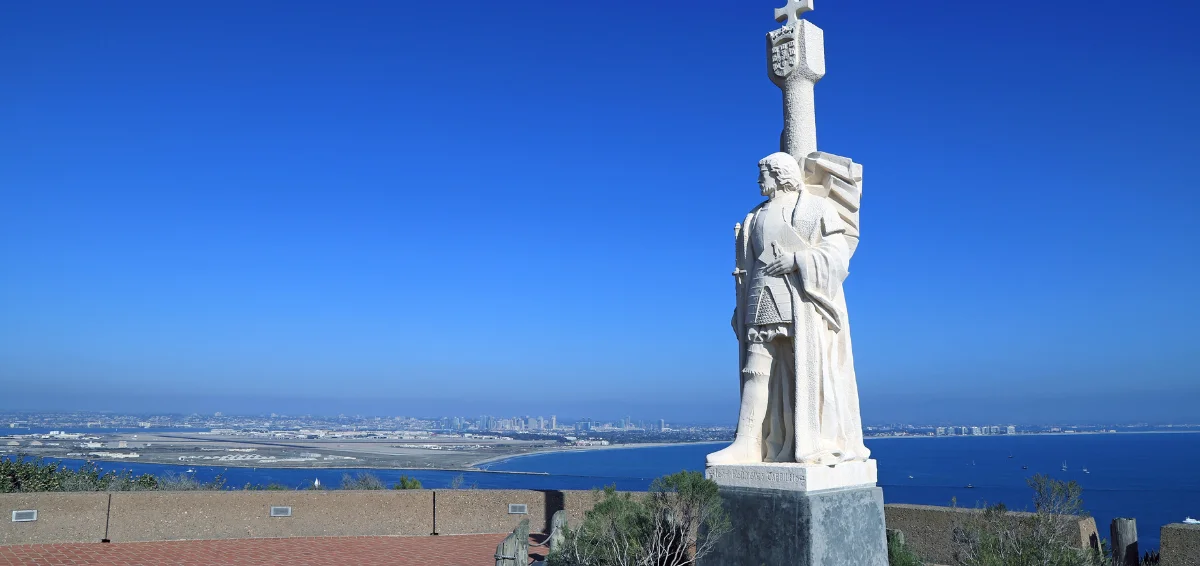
[{"x": 767, "y": 182}]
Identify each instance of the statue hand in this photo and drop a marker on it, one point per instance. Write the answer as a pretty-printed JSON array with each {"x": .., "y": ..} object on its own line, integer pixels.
[{"x": 783, "y": 264}]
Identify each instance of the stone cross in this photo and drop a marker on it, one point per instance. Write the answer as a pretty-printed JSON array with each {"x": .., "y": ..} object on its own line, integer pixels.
[
  {"x": 795, "y": 62},
  {"x": 790, "y": 14}
]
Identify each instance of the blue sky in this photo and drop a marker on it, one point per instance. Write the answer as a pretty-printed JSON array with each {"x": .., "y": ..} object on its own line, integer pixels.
[{"x": 527, "y": 207}]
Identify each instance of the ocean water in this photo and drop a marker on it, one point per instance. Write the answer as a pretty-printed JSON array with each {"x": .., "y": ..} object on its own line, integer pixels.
[{"x": 1153, "y": 477}]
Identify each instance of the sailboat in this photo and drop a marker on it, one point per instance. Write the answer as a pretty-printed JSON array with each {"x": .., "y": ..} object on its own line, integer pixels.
[{"x": 1064, "y": 468}]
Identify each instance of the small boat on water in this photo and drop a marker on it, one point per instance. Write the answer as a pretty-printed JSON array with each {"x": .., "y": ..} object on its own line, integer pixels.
[
  {"x": 1024, "y": 467},
  {"x": 1064, "y": 468},
  {"x": 1191, "y": 521},
  {"x": 1010, "y": 454},
  {"x": 970, "y": 486},
  {"x": 1085, "y": 471},
  {"x": 910, "y": 477},
  {"x": 191, "y": 470}
]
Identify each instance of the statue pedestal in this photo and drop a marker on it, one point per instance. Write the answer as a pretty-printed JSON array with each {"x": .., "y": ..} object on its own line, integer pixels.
[{"x": 795, "y": 515}]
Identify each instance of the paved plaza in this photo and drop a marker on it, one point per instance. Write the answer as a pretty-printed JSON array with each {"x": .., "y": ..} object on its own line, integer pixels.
[{"x": 447, "y": 550}]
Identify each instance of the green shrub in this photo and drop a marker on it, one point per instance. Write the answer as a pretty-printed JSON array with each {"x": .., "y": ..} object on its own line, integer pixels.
[
  {"x": 406, "y": 482},
  {"x": 362, "y": 480},
  {"x": 1046, "y": 537},
  {"x": 899, "y": 554},
  {"x": 661, "y": 528},
  {"x": 269, "y": 487},
  {"x": 24, "y": 475}
]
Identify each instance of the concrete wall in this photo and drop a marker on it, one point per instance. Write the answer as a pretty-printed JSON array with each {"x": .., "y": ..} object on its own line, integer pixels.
[
  {"x": 1180, "y": 545},
  {"x": 62, "y": 517},
  {"x": 147, "y": 516},
  {"x": 150, "y": 515},
  {"x": 471, "y": 511},
  {"x": 929, "y": 530}
]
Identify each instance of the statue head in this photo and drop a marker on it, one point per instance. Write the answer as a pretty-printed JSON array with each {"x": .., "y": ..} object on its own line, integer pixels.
[{"x": 779, "y": 172}]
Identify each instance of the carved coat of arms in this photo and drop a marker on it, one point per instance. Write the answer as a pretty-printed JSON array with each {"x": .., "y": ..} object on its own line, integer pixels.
[{"x": 784, "y": 58}]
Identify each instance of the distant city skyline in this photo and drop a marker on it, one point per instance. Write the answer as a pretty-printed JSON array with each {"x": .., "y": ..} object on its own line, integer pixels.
[{"x": 225, "y": 207}]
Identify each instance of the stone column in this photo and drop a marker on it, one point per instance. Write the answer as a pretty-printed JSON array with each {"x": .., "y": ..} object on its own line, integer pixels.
[{"x": 795, "y": 62}]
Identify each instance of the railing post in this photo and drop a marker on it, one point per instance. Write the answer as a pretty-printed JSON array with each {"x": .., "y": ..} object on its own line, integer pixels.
[
  {"x": 522, "y": 534},
  {"x": 1124, "y": 542},
  {"x": 506, "y": 551},
  {"x": 514, "y": 549},
  {"x": 558, "y": 530}
]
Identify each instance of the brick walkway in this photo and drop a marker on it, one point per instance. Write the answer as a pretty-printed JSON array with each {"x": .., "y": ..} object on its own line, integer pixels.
[{"x": 446, "y": 550}]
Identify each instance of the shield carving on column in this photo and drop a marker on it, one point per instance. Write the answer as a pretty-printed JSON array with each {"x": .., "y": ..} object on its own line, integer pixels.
[{"x": 784, "y": 58}]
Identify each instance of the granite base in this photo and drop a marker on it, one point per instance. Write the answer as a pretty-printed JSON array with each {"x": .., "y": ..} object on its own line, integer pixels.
[{"x": 776, "y": 527}]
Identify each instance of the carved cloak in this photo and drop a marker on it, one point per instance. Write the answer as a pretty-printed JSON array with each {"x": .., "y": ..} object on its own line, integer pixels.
[{"x": 814, "y": 412}]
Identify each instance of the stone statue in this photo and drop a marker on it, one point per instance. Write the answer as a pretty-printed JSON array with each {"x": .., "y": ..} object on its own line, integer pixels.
[
  {"x": 798, "y": 483},
  {"x": 799, "y": 397}
]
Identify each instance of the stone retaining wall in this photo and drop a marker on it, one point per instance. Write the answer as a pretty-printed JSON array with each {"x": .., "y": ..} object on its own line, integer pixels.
[
  {"x": 154, "y": 516},
  {"x": 1180, "y": 545},
  {"x": 61, "y": 517},
  {"x": 929, "y": 530}
]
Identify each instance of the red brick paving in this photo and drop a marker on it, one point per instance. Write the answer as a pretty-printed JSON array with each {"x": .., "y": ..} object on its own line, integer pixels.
[{"x": 446, "y": 550}]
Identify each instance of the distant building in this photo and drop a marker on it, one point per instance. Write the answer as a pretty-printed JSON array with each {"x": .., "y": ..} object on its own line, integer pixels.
[
  {"x": 553, "y": 422},
  {"x": 662, "y": 425},
  {"x": 941, "y": 431},
  {"x": 1012, "y": 429},
  {"x": 975, "y": 431}
]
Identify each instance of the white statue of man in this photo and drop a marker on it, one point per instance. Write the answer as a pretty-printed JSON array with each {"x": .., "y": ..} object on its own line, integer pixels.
[{"x": 799, "y": 396}]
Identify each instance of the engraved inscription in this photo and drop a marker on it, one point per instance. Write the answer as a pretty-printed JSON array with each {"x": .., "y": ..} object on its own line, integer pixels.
[{"x": 758, "y": 476}]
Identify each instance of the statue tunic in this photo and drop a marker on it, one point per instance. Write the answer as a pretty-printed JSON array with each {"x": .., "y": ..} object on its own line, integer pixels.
[{"x": 769, "y": 300}]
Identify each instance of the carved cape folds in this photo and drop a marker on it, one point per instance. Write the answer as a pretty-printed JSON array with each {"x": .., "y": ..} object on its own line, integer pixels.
[{"x": 824, "y": 425}]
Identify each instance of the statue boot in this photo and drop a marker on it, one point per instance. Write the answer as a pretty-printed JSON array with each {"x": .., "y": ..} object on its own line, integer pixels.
[{"x": 747, "y": 447}]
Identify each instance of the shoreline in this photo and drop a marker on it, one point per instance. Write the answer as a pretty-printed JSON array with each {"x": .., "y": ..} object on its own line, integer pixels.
[
  {"x": 474, "y": 466},
  {"x": 469, "y": 467},
  {"x": 565, "y": 449}
]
